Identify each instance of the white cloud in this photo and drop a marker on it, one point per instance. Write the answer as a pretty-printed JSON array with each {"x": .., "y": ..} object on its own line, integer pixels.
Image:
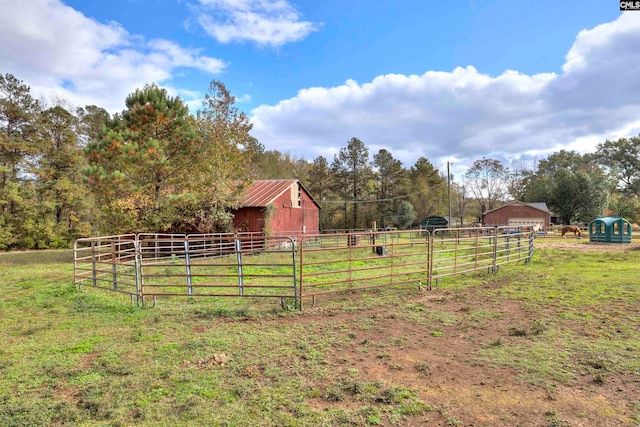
[
  {"x": 265, "y": 22},
  {"x": 59, "y": 51},
  {"x": 169, "y": 54},
  {"x": 243, "y": 98},
  {"x": 466, "y": 115}
]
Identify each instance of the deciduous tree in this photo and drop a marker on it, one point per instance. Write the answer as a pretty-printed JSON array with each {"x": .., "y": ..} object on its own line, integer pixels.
[
  {"x": 222, "y": 168},
  {"x": 405, "y": 215},
  {"x": 622, "y": 157},
  {"x": 573, "y": 185},
  {"x": 487, "y": 180}
]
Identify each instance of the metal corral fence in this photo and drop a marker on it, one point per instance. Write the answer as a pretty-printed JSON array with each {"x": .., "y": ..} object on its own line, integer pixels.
[
  {"x": 147, "y": 266},
  {"x": 109, "y": 262}
]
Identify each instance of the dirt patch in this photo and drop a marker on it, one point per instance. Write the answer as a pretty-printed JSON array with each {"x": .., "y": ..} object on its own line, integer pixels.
[
  {"x": 440, "y": 361},
  {"x": 585, "y": 245}
]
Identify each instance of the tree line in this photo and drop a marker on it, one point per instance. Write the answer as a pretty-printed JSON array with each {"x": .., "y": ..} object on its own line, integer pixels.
[{"x": 68, "y": 172}]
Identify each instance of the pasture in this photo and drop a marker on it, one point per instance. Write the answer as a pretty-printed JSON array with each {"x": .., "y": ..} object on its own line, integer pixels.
[{"x": 552, "y": 343}]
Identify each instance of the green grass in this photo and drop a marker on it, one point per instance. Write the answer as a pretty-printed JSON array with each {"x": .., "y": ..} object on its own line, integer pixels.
[
  {"x": 93, "y": 358},
  {"x": 587, "y": 304}
]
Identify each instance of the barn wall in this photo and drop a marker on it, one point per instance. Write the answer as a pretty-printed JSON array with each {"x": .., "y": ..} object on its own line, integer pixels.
[
  {"x": 289, "y": 218},
  {"x": 501, "y": 216},
  {"x": 249, "y": 219}
]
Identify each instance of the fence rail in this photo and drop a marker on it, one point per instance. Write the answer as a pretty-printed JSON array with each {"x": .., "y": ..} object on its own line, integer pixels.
[
  {"x": 109, "y": 262},
  {"x": 331, "y": 263},
  {"x": 147, "y": 266}
]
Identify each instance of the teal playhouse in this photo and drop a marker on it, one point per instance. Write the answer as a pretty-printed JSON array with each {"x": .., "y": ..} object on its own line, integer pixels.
[{"x": 610, "y": 230}]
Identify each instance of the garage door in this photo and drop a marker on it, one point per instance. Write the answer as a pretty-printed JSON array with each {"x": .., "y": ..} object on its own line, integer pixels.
[{"x": 526, "y": 221}]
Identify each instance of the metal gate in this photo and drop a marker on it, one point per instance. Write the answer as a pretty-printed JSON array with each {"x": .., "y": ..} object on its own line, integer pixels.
[
  {"x": 150, "y": 265},
  {"x": 147, "y": 266}
]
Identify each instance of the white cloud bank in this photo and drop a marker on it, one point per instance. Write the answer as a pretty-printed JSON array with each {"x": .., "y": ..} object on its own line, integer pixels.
[
  {"x": 464, "y": 115},
  {"x": 62, "y": 53},
  {"x": 457, "y": 116},
  {"x": 264, "y": 22}
]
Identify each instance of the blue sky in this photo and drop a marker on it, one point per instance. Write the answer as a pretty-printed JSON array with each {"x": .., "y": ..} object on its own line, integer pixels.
[{"x": 451, "y": 81}]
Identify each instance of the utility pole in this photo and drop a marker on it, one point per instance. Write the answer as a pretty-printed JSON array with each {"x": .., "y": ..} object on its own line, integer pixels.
[{"x": 449, "y": 193}]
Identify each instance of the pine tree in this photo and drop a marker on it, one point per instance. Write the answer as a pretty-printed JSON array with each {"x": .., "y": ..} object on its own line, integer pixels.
[
  {"x": 156, "y": 168},
  {"x": 18, "y": 147}
]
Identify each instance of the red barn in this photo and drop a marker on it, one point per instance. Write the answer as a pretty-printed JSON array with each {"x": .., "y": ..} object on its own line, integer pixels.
[
  {"x": 278, "y": 207},
  {"x": 519, "y": 213}
]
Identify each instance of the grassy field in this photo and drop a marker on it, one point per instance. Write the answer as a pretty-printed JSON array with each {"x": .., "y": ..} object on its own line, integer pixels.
[{"x": 553, "y": 343}]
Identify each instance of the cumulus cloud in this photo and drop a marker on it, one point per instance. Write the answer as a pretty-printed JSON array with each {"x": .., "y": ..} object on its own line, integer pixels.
[
  {"x": 62, "y": 53},
  {"x": 265, "y": 22},
  {"x": 464, "y": 115}
]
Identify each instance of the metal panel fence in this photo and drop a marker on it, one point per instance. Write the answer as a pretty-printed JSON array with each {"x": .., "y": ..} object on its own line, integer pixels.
[
  {"x": 109, "y": 262},
  {"x": 339, "y": 262},
  {"x": 219, "y": 265},
  {"x": 463, "y": 250},
  {"x": 147, "y": 266}
]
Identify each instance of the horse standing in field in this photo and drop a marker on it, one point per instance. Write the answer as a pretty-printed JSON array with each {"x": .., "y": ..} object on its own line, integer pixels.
[
  {"x": 571, "y": 229},
  {"x": 534, "y": 228}
]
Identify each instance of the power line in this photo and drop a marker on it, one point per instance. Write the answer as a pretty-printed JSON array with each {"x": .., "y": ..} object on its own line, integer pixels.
[{"x": 384, "y": 200}]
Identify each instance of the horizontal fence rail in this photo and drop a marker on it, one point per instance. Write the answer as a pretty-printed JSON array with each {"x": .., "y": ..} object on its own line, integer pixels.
[
  {"x": 338, "y": 262},
  {"x": 109, "y": 262},
  {"x": 463, "y": 250},
  {"x": 218, "y": 265},
  {"x": 148, "y": 266}
]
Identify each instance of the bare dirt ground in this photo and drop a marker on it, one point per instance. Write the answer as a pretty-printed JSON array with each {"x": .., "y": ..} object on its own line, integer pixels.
[
  {"x": 460, "y": 389},
  {"x": 584, "y": 244}
]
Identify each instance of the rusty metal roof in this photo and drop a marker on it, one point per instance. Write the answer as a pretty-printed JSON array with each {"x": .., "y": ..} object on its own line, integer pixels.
[{"x": 261, "y": 193}]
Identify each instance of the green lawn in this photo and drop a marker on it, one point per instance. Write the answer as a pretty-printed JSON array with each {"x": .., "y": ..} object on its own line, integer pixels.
[{"x": 93, "y": 358}]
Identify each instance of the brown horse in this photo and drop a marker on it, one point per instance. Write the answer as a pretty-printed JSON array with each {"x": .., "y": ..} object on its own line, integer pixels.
[{"x": 571, "y": 229}]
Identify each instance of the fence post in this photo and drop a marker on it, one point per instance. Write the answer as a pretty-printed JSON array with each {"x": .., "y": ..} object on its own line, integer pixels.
[
  {"x": 114, "y": 271},
  {"x": 187, "y": 262},
  {"x": 300, "y": 292},
  {"x": 293, "y": 262},
  {"x": 137, "y": 265},
  {"x": 75, "y": 264},
  {"x": 430, "y": 256},
  {"x": 239, "y": 258},
  {"x": 94, "y": 275},
  {"x": 494, "y": 267},
  {"x": 507, "y": 245}
]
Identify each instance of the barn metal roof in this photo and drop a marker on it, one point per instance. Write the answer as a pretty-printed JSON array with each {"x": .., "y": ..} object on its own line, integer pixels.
[
  {"x": 541, "y": 206},
  {"x": 263, "y": 192}
]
